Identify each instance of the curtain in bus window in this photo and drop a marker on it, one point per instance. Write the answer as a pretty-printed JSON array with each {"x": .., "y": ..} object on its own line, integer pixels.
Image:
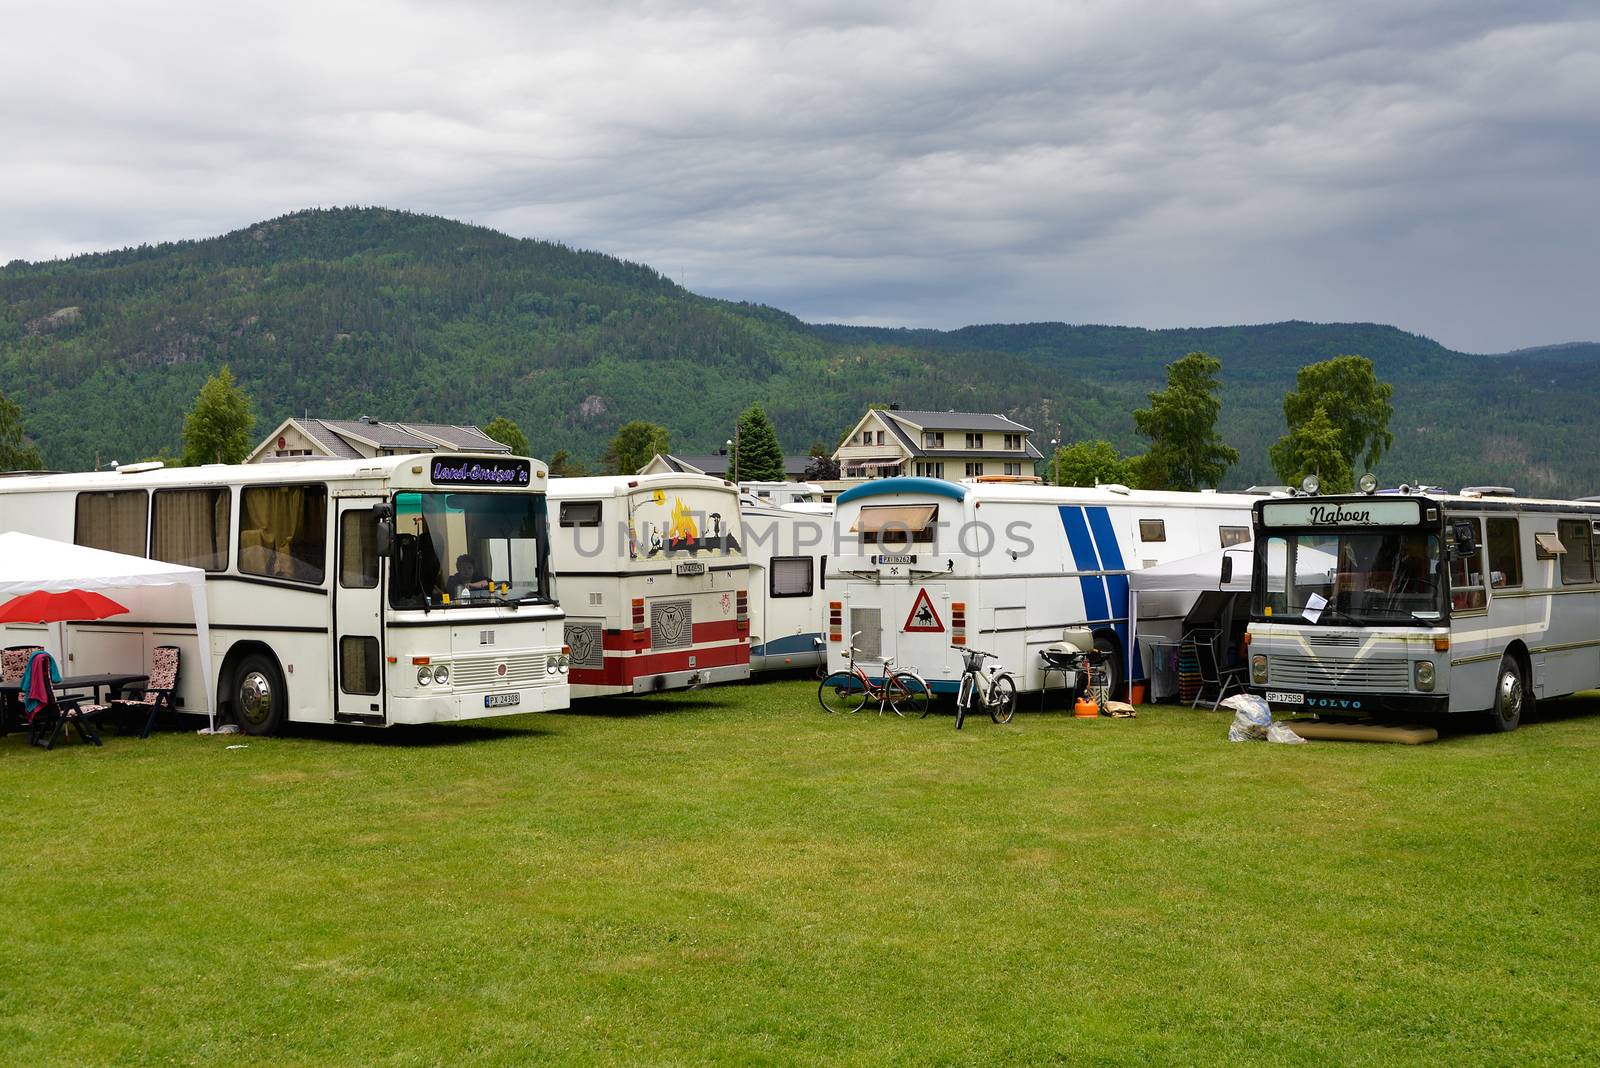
[
  {"x": 791, "y": 576},
  {"x": 358, "y": 553},
  {"x": 896, "y": 524},
  {"x": 358, "y": 664},
  {"x": 190, "y": 527},
  {"x": 283, "y": 532},
  {"x": 114, "y": 522},
  {"x": 1505, "y": 555}
]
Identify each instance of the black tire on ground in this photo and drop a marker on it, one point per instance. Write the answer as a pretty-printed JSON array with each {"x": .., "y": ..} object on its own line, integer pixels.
[
  {"x": 258, "y": 693},
  {"x": 1510, "y": 699},
  {"x": 1004, "y": 696},
  {"x": 1108, "y": 647},
  {"x": 908, "y": 696},
  {"x": 841, "y": 692}
]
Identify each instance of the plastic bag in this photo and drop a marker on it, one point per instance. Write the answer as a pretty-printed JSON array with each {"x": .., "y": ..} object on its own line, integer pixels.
[
  {"x": 1251, "y": 718},
  {"x": 1280, "y": 732}
]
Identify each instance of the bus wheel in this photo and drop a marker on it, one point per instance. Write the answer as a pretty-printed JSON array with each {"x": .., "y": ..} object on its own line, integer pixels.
[
  {"x": 1510, "y": 696},
  {"x": 260, "y": 699},
  {"x": 1113, "y": 661}
]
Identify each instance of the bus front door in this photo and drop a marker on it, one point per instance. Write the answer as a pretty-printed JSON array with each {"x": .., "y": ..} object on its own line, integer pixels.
[{"x": 358, "y": 619}]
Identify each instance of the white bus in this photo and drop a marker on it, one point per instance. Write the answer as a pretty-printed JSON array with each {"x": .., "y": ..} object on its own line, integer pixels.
[
  {"x": 1421, "y": 604},
  {"x": 788, "y": 549},
  {"x": 923, "y": 564},
  {"x": 652, "y": 574},
  {"x": 328, "y": 584}
]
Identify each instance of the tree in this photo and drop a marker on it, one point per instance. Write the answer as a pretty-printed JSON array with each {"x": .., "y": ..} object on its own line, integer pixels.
[
  {"x": 217, "y": 428},
  {"x": 633, "y": 446},
  {"x": 1314, "y": 447},
  {"x": 821, "y": 469},
  {"x": 1181, "y": 424},
  {"x": 1356, "y": 404},
  {"x": 757, "y": 456},
  {"x": 17, "y": 453},
  {"x": 562, "y": 465},
  {"x": 508, "y": 434},
  {"x": 1090, "y": 463}
]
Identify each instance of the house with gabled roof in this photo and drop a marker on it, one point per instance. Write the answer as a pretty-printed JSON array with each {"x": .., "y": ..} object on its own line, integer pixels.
[
  {"x": 352, "y": 439},
  {"x": 715, "y": 463},
  {"x": 949, "y": 445}
]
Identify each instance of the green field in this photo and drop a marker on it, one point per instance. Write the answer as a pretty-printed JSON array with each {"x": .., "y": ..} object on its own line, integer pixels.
[{"x": 733, "y": 876}]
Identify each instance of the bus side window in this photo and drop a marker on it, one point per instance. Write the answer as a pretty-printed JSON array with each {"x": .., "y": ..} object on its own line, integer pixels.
[
  {"x": 1466, "y": 581},
  {"x": 283, "y": 532},
  {"x": 1577, "y": 563},
  {"x": 1505, "y": 554}
]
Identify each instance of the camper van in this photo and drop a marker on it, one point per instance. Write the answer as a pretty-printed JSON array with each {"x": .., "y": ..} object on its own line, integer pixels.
[
  {"x": 333, "y": 588},
  {"x": 788, "y": 550},
  {"x": 922, "y": 565},
  {"x": 1418, "y": 604},
  {"x": 652, "y": 574}
]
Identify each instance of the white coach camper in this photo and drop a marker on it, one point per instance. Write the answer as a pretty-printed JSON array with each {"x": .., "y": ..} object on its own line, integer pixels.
[
  {"x": 652, "y": 573},
  {"x": 788, "y": 549},
  {"x": 923, "y": 565}
]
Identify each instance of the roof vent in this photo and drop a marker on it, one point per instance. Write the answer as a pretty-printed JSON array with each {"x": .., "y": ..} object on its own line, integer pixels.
[
  {"x": 893, "y": 407},
  {"x": 134, "y": 469}
]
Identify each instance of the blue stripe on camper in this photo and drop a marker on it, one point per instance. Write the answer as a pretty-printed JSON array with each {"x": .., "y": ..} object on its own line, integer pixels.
[
  {"x": 1084, "y": 558},
  {"x": 1105, "y": 536}
]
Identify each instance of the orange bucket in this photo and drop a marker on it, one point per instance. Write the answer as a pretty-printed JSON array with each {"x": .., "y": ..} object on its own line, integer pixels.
[
  {"x": 1085, "y": 709},
  {"x": 1136, "y": 693}
]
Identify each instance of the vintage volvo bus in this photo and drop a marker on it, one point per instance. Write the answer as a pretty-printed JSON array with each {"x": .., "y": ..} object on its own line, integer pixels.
[
  {"x": 1414, "y": 605},
  {"x": 399, "y": 589}
]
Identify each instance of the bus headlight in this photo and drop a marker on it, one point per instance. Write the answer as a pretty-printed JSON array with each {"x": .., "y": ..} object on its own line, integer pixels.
[
  {"x": 441, "y": 674},
  {"x": 1425, "y": 674},
  {"x": 424, "y": 675},
  {"x": 564, "y": 663},
  {"x": 1258, "y": 669}
]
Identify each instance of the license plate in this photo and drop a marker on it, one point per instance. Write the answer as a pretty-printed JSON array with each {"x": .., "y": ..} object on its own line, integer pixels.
[
  {"x": 501, "y": 700},
  {"x": 1276, "y": 698},
  {"x": 890, "y": 559},
  {"x": 692, "y": 568}
]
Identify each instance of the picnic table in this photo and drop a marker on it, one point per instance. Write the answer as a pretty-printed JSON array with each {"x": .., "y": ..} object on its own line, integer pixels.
[{"x": 112, "y": 682}]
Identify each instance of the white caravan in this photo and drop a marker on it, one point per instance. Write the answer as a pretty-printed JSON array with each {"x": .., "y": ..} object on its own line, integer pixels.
[
  {"x": 922, "y": 564},
  {"x": 652, "y": 574},
  {"x": 328, "y": 584},
  {"x": 788, "y": 550},
  {"x": 1420, "y": 604}
]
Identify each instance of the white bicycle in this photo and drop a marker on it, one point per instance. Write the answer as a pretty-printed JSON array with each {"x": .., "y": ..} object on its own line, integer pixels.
[{"x": 994, "y": 691}]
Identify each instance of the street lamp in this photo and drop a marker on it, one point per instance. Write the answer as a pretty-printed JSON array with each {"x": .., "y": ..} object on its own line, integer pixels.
[
  {"x": 1055, "y": 454},
  {"x": 727, "y": 446}
]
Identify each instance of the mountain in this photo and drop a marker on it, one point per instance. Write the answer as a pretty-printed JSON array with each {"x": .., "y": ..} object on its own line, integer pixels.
[{"x": 351, "y": 312}]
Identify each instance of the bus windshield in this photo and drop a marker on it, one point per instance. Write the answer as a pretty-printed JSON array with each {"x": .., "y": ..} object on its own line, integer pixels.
[
  {"x": 465, "y": 549},
  {"x": 1350, "y": 577}
]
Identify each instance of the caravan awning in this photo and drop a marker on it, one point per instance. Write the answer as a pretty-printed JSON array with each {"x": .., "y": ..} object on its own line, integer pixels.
[
  {"x": 1202, "y": 572},
  {"x": 897, "y": 518}
]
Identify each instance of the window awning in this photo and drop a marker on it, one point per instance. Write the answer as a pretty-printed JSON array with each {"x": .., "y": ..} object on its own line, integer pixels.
[
  {"x": 1548, "y": 545},
  {"x": 876, "y": 518}
]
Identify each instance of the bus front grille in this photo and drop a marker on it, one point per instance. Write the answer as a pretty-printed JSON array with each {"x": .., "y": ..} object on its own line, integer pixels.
[
  {"x": 483, "y": 672},
  {"x": 1314, "y": 671}
]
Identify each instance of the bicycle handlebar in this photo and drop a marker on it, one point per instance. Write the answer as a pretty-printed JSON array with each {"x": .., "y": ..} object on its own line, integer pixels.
[{"x": 979, "y": 652}]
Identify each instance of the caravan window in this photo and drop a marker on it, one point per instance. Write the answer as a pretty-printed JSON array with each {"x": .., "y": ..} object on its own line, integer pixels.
[
  {"x": 190, "y": 526},
  {"x": 580, "y": 513},
  {"x": 114, "y": 522},
  {"x": 1233, "y": 536},
  {"x": 1577, "y": 563},
  {"x": 1505, "y": 555},
  {"x": 1152, "y": 530},
  {"x": 792, "y": 576},
  {"x": 283, "y": 532},
  {"x": 896, "y": 525}
]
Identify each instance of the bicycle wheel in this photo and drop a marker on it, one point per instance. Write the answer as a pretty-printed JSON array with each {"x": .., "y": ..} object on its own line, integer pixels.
[
  {"x": 908, "y": 695},
  {"x": 963, "y": 698},
  {"x": 841, "y": 692},
  {"x": 1002, "y": 699}
]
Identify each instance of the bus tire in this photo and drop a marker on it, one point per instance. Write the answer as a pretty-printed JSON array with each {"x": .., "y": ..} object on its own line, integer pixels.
[
  {"x": 1113, "y": 659},
  {"x": 260, "y": 698},
  {"x": 1510, "y": 697}
]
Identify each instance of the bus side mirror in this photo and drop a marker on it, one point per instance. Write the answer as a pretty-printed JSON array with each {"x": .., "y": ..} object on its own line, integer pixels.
[
  {"x": 383, "y": 537},
  {"x": 1463, "y": 541},
  {"x": 1227, "y": 569}
]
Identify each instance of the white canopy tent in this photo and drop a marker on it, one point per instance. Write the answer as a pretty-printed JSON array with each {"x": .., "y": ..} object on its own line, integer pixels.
[
  {"x": 28, "y": 564},
  {"x": 1192, "y": 574}
]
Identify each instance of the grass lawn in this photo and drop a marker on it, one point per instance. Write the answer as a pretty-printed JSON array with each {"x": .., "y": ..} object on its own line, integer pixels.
[{"x": 734, "y": 876}]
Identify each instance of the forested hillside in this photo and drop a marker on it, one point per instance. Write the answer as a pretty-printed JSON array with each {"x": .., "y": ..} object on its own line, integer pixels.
[{"x": 375, "y": 312}]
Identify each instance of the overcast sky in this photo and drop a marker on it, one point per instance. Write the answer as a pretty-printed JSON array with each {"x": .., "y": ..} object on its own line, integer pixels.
[{"x": 1432, "y": 165}]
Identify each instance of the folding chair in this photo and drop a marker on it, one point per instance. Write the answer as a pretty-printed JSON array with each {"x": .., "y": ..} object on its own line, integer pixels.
[
  {"x": 1216, "y": 678},
  {"x": 156, "y": 697},
  {"x": 52, "y": 710}
]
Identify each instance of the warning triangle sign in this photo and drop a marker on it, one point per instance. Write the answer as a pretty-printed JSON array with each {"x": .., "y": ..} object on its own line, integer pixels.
[{"x": 923, "y": 617}]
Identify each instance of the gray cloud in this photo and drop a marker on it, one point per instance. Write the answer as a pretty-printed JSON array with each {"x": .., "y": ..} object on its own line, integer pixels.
[{"x": 1429, "y": 164}]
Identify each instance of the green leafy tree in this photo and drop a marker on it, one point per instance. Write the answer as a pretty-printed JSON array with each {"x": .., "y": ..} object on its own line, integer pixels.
[
  {"x": 1181, "y": 423},
  {"x": 1090, "y": 463},
  {"x": 508, "y": 434},
  {"x": 1346, "y": 389},
  {"x": 757, "y": 457},
  {"x": 633, "y": 446},
  {"x": 1315, "y": 447},
  {"x": 217, "y": 428},
  {"x": 562, "y": 465},
  {"x": 17, "y": 453}
]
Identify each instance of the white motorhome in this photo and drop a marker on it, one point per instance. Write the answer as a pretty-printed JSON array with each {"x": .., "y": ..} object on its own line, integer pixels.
[
  {"x": 922, "y": 564},
  {"x": 328, "y": 584},
  {"x": 1419, "y": 604},
  {"x": 788, "y": 549},
  {"x": 652, "y": 574}
]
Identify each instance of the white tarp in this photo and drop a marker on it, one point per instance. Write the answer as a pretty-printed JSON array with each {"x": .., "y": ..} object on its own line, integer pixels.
[
  {"x": 28, "y": 563},
  {"x": 1203, "y": 572}
]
